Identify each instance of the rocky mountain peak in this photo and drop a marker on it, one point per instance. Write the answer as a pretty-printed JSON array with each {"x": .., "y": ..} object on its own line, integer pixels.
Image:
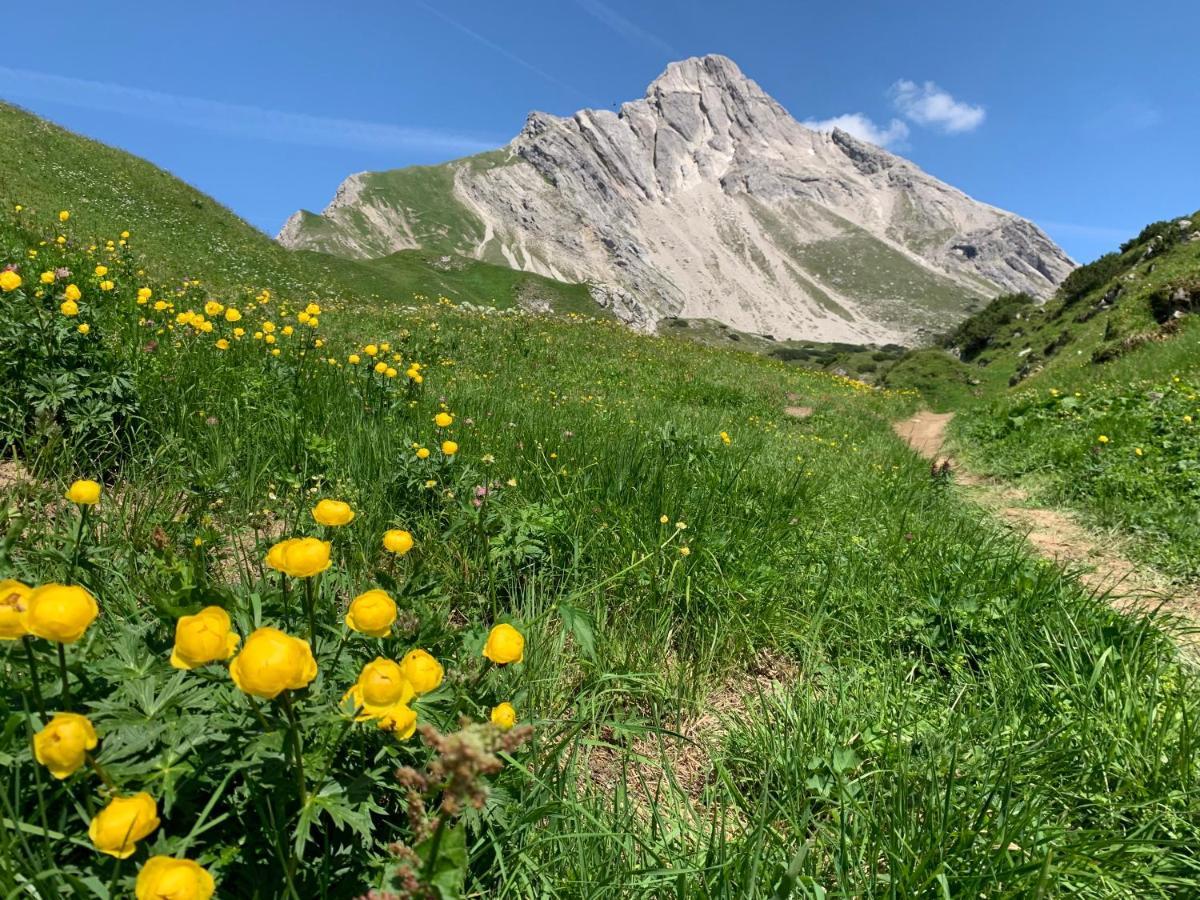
[{"x": 706, "y": 199}]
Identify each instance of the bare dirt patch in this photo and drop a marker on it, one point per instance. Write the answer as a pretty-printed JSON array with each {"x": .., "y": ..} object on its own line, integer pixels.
[
  {"x": 796, "y": 411},
  {"x": 1053, "y": 533}
]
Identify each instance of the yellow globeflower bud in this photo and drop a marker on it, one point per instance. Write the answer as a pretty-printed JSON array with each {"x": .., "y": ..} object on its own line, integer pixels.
[
  {"x": 333, "y": 513},
  {"x": 504, "y": 716},
  {"x": 272, "y": 662},
  {"x": 354, "y": 359},
  {"x": 101, "y": 271},
  {"x": 59, "y": 612},
  {"x": 381, "y": 685},
  {"x": 10, "y": 280},
  {"x": 84, "y": 328},
  {"x": 504, "y": 645},
  {"x": 118, "y": 827},
  {"x": 370, "y": 350},
  {"x": 177, "y": 879},
  {"x": 380, "y": 368},
  {"x": 63, "y": 744},
  {"x": 443, "y": 420},
  {"x": 14, "y": 598},
  {"x": 449, "y": 448},
  {"x": 85, "y": 492},
  {"x": 63, "y": 216},
  {"x": 69, "y": 308},
  {"x": 372, "y": 613},
  {"x": 422, "y": 453},
  {"x": 423, "y": 672},
  {"x": 203, "y": 638},
  {"x": 46, "y": 278},
  {"x": 72, "y": 293},
  {"x": 232, "y": 315},
  {"x": 398, "y": 541},
  {"x": 299, "y": 557},
  {"x": 400, "y": 720}
]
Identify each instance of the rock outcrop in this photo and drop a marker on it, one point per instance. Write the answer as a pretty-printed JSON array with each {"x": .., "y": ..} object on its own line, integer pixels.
[{"x": 706, "y": 199}]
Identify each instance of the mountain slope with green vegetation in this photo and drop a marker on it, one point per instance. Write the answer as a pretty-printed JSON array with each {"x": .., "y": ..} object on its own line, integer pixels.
[
  {"x": 45, "y": 168},
  {"x": 745, "y": 654}
]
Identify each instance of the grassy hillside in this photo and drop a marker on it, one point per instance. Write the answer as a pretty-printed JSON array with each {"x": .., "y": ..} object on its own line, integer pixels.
[
  {"x": 1094, "y": 399},
  {"x": 746, "y": 655},
  {"x": 184, "y": 233}
]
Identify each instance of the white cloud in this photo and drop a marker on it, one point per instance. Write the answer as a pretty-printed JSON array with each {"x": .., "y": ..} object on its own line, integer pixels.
[
  {"x": 861, "y": 127},
  {"x": 229, "y": 118},
  {"x": 929, "y": 105}
]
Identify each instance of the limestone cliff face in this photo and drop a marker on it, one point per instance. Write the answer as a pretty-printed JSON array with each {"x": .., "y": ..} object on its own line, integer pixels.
[{"x": 706, "y": 199}]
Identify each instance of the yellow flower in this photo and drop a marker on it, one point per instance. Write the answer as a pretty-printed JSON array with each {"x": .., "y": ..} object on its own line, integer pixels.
[
  {"x": 14, "y": 598},
  {"x": 213, "y": 308},
  {"x": 313, "y": 309},
  {"x": 84, "y": 328},
  {"x": 371, "y": 613},
  {"x": 390, "y": 372},
  {"x": 63, "y": 216},
  {"x": 397, "y": 540},
  {"x": 1137, "y": 451},
  {"x": 62, "y": 745},
  {"x": 663, "y": 519},
  {"x": 232, "y": 315},
  {"x": 685, "y": 550},
  {"x": 443, "y": 420},
  {"x": 126, "y": 820},
  {"x": 504, "y": 645},
  {"x": 69, "y": 308},
  {"x": 9, "y": 280},
  {"x": 1103, "y": 439},
  {"x": 167, "y": 878},
  {"x": 504, "y": 716},
  {"x": 107, "y": 285},
  {"x": 725, "y": 438},
  {"x": 380, "y": 368},
  {"x": 1187, "y": 420},
  {"x": 268, "y": 327},
  {"x": 423, "y": 672},
  {"x": 288, "y": 329},
  {"x": 381, "y": 685},
  {"x": 333, "y": 513},
  {"x": 124, "y": 235},
  {"x": 85, "y": 492},
  {"x": 272, "y": 662},
  {"x": 59, "y": 612},
  {"x": 449, "y": 448},
  {"x": 72, "y": 293},
  {"x": 144, "y": 295},
  {"x": 46, "y": 278},
  {"x": 400, "y": 720},
  {"x": 222, "y": 344},
  {"x": 299, "y": 557},
  {"x": 370, "y": 350},
  {"x": 203, "y": 638},
  {"x": 422, "y": 453},
  {"x": 354, "y": 359},
  {"x": 101, "y": 271}
]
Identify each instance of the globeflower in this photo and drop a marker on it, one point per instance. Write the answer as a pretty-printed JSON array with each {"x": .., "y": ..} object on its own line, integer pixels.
[
  {"x": 167, "y": 878},
  {"x": 101, "y": 271},
  {"x": 443, "y": 420},
  {"x": 14, "y": 596},
  {"x": 400, "y": 720},
  {"x": 233, "y": 315},
  {"x": 85, "y": 492},
  {"x": 9, "y": 280},
  {"x": 398, "y": 541},
  {"x": 422, "y": 453},
  {"x": 381, "y": 685},
  {"x": 299, "y": 557},
  {"x": 333, "y": 513},
  {"x": 64, "y": 215},
  {"x": 423, "y": 672},
  {"x": 504, "y": 716},
  {"x": 72, "y": 293},
  {"x": 203, "y": 638},
  {"x": 504, "y": 645},
  {"x": 449, "y": 448},
  {"x": 118, "y": 827},
  {"x": 371, "y": 613},
  {"x": 62, "y": 745},
  {"x": 69, "y": 308},
  {"x": 272, "y": 662},
  {"x": 59, "y": 612}
]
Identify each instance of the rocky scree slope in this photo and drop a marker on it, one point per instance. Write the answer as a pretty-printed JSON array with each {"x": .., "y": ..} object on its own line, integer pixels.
[{"x": 706, "y": 199}]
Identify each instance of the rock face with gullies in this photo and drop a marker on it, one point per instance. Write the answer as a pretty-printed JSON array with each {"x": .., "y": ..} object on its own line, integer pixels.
[{"x": 706, "y": 199}]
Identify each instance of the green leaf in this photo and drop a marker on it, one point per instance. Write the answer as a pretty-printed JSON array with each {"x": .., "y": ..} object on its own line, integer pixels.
[{"x": 449, "y": 870}]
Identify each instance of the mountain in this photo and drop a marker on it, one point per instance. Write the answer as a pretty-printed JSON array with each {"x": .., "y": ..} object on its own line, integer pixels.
[
  {"x": 181, "y": 232},
  {"x": 705, "y": 199}
]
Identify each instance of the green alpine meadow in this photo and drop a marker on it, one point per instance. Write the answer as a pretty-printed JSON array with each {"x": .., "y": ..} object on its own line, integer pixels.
[{"x": 681, "y": 501}]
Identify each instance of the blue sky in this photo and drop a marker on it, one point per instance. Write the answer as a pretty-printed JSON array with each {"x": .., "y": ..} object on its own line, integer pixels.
[{"x": 1084, "y": 116}]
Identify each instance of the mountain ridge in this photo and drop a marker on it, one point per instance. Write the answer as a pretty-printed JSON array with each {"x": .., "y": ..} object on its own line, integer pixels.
[{"x": 706, "y": 199}]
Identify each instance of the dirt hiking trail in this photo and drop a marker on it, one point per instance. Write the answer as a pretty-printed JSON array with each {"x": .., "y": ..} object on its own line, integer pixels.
[{"x": 1055, "y": 534}]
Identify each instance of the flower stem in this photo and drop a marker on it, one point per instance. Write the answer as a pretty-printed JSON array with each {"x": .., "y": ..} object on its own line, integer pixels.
[
  {"x": 433, "y": 847},
  {"x": 83, "y": 518},
  {"x": 308, "y": 606},
  {"x": 297, "y": 746},
  {"x": 62, "y": 670},
  {"x": 33, "y": 675},
  {"x": 100, "y": 773}
]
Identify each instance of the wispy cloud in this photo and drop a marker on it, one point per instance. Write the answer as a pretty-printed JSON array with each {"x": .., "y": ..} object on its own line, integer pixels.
[
  {"x": 1127, "y": 115},
  {"x": 629, "y": 30},
  {"x": 927, "y": 104},
  {"x": 492, "y": 45},
  {"x": 863, "y": 128},
  {"x": 26, "y": 86}
]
